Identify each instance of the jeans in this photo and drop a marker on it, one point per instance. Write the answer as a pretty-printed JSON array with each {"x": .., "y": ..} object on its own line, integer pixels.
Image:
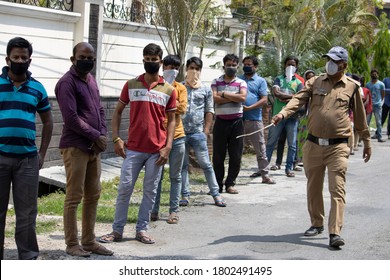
[
  {"x": 291, "y": 126},
  {"x": 225, "y": 139},
  {"x": 385, "y": 114},
  {"x": 23, "y": 174},
  {"x": 131, "y": 167},
  {"x": 198, "y": 142},
  {"x": 377, "y": 111},
  {"x": 176, "y": 158},
  {"x": 82, "y": 184}
]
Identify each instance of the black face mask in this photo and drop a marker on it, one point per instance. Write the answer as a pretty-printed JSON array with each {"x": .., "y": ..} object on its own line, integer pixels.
[
  {"x": 248, "y": 70},
  {"x": 85, "y": 65},
  {"x": 151, "y": 67},
  {"x": 374, "y": 77},
  {"x": 230, "y": 71},
  {"x": 19, "y": 68}
]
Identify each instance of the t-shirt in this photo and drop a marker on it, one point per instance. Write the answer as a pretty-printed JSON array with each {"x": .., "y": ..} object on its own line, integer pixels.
[
  {"x": 257, "y": 87},
  {"x": 148, "y": 107},
  {"x": 376, "y": 91},
  {"x": 293, "y": 87}
]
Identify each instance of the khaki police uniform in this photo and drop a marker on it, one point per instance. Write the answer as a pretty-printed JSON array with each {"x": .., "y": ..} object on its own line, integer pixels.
[{"x": 329, "y": 127}]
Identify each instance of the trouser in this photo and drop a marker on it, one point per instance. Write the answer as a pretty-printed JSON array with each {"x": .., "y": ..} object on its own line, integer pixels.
[
  {"x": 82, "y": 183},
  {"x": 385, "y": 115},
  {"x": 258, "y": 144},
  {"x": 316, "y": 159},
  {"x": 23, "y": 174},
  {"x": 225, "y": 134},
  {"x": 131, "y": 167}
]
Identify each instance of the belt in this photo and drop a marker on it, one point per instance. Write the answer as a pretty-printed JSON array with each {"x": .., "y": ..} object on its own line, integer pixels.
[{"x": 326, "y": 141}]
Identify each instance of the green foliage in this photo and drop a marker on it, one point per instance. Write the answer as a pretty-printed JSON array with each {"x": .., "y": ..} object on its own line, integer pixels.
[
  {"x": 358, "y": 60},
  {"x": 381, "y": 48}
]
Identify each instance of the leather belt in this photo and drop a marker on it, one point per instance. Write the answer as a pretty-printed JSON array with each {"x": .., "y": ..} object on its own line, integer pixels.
[{"x": 326, "y": 141}]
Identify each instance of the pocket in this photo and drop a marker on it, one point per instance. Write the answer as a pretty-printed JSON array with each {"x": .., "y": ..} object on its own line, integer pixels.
[
  {"x": 317, "y": 99},
  {"x": 342, "y": 100}
]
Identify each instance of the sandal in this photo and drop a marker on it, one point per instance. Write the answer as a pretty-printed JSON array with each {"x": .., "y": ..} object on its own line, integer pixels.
[
  {"x": 290, "y": 174},
  {"x": 154, "y": 217},
  {"x": 275, "y": 167},
  {"x": 173, "y": 218},
  {"x": 142, "y": 237},
  {"x": 231, "y": 190},
  {"x": 297, "y": 168},
  {"x": 268, "y": 180},
  {"x": 219, "y": 201},
  {"x": 256, "y": 174},
  {"x": 184, "y": 201},
  {"x": 111, "y": 237}
]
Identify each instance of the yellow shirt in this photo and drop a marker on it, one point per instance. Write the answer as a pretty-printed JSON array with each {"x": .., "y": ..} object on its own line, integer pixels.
[
  {"x": 181, "y": 107},
  {"x": 329, "y": 108}
]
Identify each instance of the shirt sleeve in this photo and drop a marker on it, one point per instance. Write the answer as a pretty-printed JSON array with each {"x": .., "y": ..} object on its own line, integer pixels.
[
  {"x": 171, "y": 105},
  {"x": 359, "y": 119},
  {"x": 124, "y": 97},
  {"x": 263, "y": 88},
  {"x": 209, "y": 101}
]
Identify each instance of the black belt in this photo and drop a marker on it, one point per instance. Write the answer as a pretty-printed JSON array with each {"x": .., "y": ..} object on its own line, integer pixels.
[{"x": 326, "y": 141}]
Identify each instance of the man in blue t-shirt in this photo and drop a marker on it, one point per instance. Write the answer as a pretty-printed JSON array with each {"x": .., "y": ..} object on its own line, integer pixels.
[
  {"x": 386, "y": 105},
  {"x": 377, "y": 89},
  {"x": 255, "y": 100}
]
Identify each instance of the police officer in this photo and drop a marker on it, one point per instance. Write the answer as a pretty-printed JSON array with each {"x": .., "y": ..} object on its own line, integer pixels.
[{"x": 331, "y": 96}]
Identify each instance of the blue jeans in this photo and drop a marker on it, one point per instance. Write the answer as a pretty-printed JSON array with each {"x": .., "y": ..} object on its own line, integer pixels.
[
  {"x": 131, "y": 167},
  {"x": 377, "y": 111},
  {"x": 291, "y": 126},
  {"x": 176, "y": 158},
  {"x": 198, "y": 142}
]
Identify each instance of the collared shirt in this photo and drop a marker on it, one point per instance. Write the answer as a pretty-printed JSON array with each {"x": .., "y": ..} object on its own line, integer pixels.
[
  {"x": 18, "y": 106},
  {"x": 200, "y": 102},
  {"x": 230, "y": 110},
  {"x": 82, "y": 113},
  {"x": 148, "y": 107},
  {"x": 291, "y": 87},
  {"x": 257, "y": 88},
  {"x": 376, "y": 92},
  {"x": 386, "y": 81},
  {"x": 330, "y": 106}
]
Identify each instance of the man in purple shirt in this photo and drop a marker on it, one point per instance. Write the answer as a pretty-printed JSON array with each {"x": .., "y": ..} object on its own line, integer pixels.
[{"x": 83, "y": 139}]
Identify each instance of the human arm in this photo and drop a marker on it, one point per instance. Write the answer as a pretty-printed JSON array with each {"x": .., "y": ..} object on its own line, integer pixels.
[
  {"x": 181, "y": 99},
  {"x": 208, "y": 120},
  {"x": 119, "y": 145},
  {"x": 47, "y": 130},
  {"x": 262, "y": 101},
  {"x": 164, "y": 152}
]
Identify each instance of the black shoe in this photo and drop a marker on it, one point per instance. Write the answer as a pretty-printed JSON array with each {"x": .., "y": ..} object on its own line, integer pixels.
[
  {"x": 312, "y": 231},
  {"x": 336, "y": 241},
  {"x": 381, "y": 140},
  {"x": 374, "y": 137}
]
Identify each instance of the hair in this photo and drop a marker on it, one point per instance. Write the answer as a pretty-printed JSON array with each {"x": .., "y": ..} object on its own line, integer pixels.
[
  {"x": 308, "y": 72},
  {"x": 153, "y": 49},
  {"x": 77, "y": 45},
  {"x": 291, "y": 57},
  {"x": 172, "y": 59},
  {"x": 254, "y": 59},
  {"x": 362, "y": 81},
  {"x": 231, "y": 57},
  {"x": 19, "y": 42},
  {"x": 356, "y": 77},
  {"x": 374, "y": 71},
  {"x": 198, "y": 62}
]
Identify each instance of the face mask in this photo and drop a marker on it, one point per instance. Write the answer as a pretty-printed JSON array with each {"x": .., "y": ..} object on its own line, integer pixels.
[
  {"x": 230, "y": 71},
  {"x": 374, "y": 77},
  {"x": 85, "y": 65},
  {"x": 19, "y": 68},
  {"x": 331, "y": 68},
  {"x": 151, "y": 67},
  {"x": 193, "y": 78},
  {"x": 289, "y": 71},
  {"x": 248, "y": 70},
  {"x": 170, "y": 75}
]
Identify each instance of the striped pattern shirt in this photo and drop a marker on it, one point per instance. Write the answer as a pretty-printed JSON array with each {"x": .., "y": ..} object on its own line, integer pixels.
[
  {"x": 231, "y": 110},
  {"x": 18, "y": 107}
]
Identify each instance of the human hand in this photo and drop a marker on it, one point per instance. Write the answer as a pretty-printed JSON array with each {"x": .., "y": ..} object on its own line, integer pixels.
[
  {"x": 277, "y": 119},
  {"x": 101, "y": 143},
  {"x": 164, "y": 154},
  {"x": 366, "y": 154},
  {"x": 119, "y": 148}
]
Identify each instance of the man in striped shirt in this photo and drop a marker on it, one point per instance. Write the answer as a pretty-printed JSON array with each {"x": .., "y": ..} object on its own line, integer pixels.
[
  {"x": 21, "y": 96},
  {"x": 229, "y": 93}
]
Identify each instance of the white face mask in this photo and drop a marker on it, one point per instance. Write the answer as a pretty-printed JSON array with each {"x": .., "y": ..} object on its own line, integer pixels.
[
  {"x": 170, "y": 75},
  {"x": 331, "y": 68},
  {"x": 290, "y": 71}
]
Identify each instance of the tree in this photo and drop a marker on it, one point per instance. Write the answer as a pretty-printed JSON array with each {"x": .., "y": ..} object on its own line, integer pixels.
[
  {"x": 381, "y": 48},
  {"x": 180, "y": 18}
]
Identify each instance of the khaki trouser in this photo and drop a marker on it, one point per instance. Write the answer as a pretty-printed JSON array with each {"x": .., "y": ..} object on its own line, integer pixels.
[
  {"x": 82, "y": 182},
  {"x": 315, "y": 159}
]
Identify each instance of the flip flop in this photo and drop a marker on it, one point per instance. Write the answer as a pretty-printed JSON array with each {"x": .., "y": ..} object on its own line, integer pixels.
[
  {"x": 256, "y": 174},
  {"x": 142, "y": 237},
  {"x": 173, "y": 218},
  {"x": 268, "y": 180},
  {"x": 111, "y": 237},
  {"x": 219, "y": 201}
]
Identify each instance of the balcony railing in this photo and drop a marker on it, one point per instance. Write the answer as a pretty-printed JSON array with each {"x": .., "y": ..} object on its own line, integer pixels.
[
  {"x": 140, "y": 11},
  {"x": 63, "y": 5}
]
